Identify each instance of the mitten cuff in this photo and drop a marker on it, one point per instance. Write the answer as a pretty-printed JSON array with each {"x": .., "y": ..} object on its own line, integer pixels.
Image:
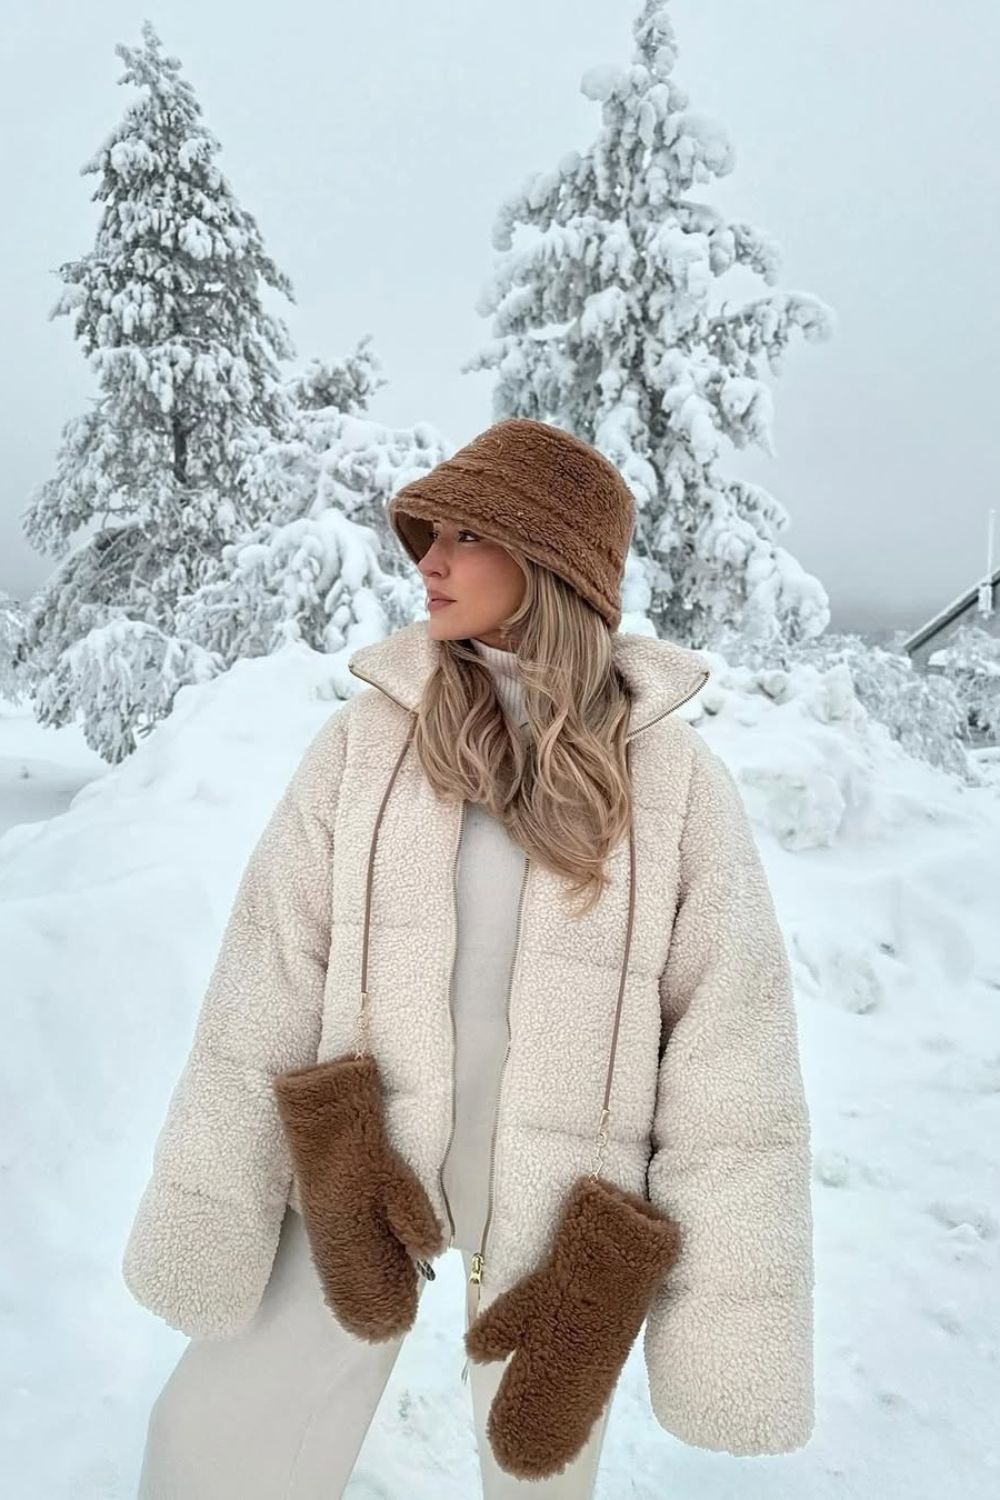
[
  {"x": 623, "y": 1228},
  {"x": 338, "y": 1092}
]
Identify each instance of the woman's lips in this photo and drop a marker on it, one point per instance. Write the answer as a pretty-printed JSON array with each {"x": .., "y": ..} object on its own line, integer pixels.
[{"x": 438, "y": 603}]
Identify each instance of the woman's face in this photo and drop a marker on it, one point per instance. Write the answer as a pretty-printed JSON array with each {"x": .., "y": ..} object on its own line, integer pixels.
[{"x": 478, "y": 577}]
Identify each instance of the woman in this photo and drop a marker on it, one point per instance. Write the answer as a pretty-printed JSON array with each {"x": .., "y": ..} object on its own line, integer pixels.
[{"x": 415, "y": 1041}]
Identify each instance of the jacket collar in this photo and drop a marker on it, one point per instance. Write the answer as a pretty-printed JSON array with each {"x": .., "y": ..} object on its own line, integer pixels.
[{"x": 660, "y": 674}]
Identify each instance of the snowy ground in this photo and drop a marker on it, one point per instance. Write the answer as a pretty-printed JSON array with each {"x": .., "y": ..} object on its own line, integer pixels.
[{"x": 114, "y": 886}]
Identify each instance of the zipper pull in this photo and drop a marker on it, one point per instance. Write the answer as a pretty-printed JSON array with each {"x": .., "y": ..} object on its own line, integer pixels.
[{"x": 472, "y": 1302}]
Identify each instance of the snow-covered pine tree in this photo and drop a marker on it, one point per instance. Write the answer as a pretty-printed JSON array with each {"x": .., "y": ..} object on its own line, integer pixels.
[
  {"x": 323, "y": 569},
  {"x": 603, "y": 325},
  {"x": 168, "y": 309}
]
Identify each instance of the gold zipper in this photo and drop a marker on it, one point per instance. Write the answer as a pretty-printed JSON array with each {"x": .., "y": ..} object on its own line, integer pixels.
[
  {"x": 451, "y": 1012},
  {"x": 479, "y": 1258}
]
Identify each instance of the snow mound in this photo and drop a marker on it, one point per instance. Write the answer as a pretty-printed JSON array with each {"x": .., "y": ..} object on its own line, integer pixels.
[{"x": 884, "y": 873}]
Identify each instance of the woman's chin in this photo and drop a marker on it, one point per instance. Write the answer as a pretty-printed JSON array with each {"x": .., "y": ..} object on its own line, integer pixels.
[{"x": 442, "y": 629}]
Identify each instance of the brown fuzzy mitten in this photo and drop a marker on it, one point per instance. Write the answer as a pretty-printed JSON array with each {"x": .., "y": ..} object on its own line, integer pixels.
[
  {"x": 366, "y": 1213},
  {"x": 570, "y": 1325}
]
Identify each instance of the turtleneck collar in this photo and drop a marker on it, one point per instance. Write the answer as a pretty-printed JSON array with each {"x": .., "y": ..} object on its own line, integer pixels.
[{"x": 506, "y": 678}]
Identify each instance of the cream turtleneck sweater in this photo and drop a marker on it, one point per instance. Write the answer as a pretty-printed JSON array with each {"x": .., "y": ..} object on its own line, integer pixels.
[
  {"x": 488, "y": 886},
  {"x": 506, "y": 678}
]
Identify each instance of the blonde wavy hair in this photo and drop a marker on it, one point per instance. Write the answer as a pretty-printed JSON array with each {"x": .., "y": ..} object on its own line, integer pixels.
[{"x": 563, "y": 791}]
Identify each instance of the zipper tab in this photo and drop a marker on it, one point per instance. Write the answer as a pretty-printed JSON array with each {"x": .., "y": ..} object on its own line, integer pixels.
[
  {"x": 473, "y": 1291},
  {"x": 472, "y": 1298},
  {"x": 451, "y": 1016}
]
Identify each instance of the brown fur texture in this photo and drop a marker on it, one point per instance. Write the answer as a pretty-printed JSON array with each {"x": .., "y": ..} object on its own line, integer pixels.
[
  {"x": 570, "y": 1325},
  {"x": 539, "y": 487},
  {"x": 366, "y": 1213}
]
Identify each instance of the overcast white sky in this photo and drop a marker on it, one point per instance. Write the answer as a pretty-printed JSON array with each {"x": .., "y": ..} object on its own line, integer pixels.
[{"x": 373, "y": 145}]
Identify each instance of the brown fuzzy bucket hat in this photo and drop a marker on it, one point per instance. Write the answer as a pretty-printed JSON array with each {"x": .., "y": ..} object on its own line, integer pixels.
[{"x": 539, "y": 488}]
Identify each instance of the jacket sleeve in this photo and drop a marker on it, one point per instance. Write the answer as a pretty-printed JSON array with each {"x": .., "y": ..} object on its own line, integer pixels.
[
  {"x": 729, "y": 1336},
  {"x": 201, "y": 1247}
]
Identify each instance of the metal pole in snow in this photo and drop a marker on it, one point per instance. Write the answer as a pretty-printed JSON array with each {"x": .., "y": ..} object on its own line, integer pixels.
[{"x": 985, "y": 601}]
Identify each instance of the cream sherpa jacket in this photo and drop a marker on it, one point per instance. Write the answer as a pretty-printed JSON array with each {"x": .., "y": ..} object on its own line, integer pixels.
[{"x": 708, "y": 1117}]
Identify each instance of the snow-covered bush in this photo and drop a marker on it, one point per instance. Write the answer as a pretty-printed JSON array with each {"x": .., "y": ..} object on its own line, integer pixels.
[
  {"x": 326, "y": 569},
  {"x": 11, "y": 642},
  {"x": 124, "y": 675},
  {"x": 970, "y": 660},
  {"x": 923, "y": 712},
  {"x": 313, "y": 580}
]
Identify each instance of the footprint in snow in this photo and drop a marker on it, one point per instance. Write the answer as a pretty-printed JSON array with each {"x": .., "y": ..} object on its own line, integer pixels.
[{"x": 954, "y": 1213}]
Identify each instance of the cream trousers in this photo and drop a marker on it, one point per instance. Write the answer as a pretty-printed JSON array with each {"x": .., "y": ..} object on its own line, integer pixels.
[{"x": 280, "y": 1410}]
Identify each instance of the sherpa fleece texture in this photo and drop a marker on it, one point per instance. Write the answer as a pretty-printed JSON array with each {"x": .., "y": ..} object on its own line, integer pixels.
[{"x": 708, "y": 1118}]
